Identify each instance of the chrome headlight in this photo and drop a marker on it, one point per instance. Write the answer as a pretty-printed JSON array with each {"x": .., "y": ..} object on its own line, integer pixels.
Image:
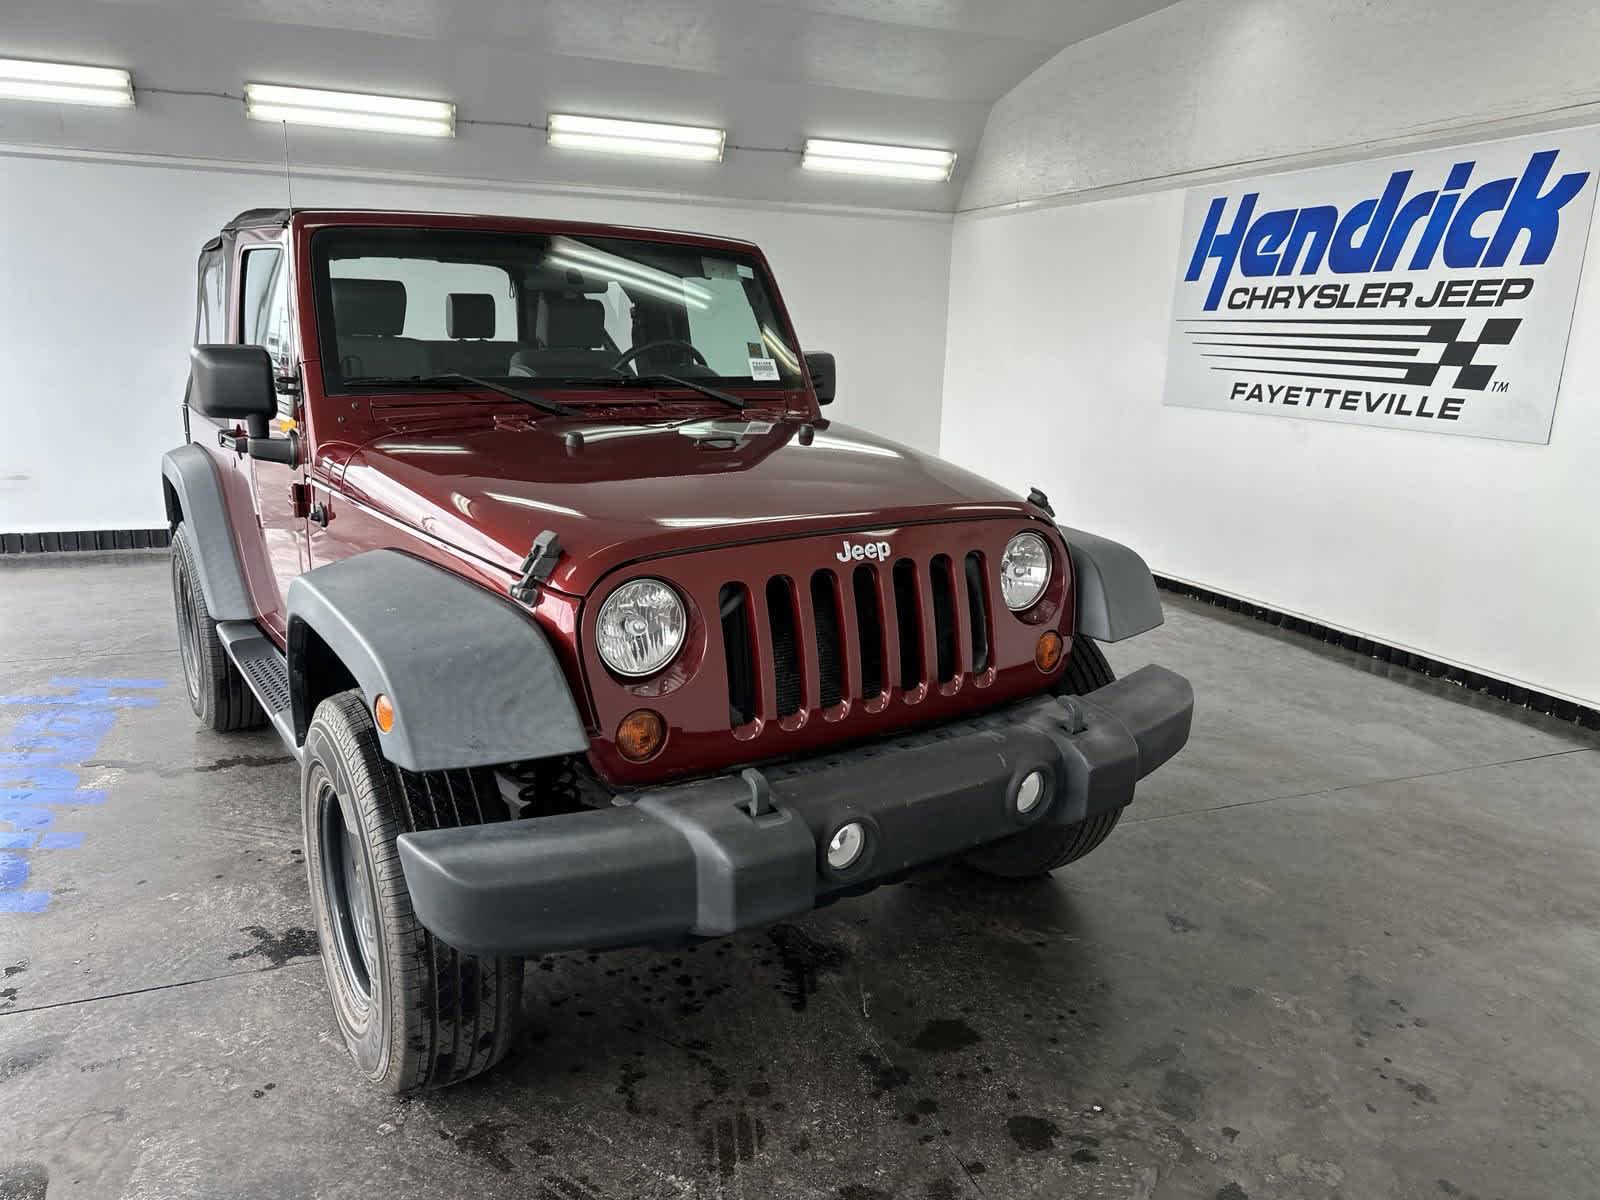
[
  {"x": 1024, "y": 571},
  {"x": 641, "y": 626}
]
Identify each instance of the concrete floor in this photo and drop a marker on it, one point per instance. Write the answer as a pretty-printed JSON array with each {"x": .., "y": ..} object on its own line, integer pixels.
[{"x": 1347, "y": 944}]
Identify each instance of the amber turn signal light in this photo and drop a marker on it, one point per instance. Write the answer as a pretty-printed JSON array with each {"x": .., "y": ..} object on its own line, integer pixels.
[
  {"x": 383, "y": 712},
  {"x": 640, "y": 734},
  {"x": 1047, "y": 654}
]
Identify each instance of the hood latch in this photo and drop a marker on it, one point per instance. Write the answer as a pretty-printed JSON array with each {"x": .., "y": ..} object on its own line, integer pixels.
[{"x": 537, "y": 567}]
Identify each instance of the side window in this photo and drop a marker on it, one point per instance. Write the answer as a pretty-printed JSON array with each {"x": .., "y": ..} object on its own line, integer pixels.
[
  {"x": 211, "y": 304},
  {"x": 264, "y": 303}
]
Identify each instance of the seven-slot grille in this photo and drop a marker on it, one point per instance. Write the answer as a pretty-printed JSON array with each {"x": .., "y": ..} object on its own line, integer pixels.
[{"x": 854, "y": 633}]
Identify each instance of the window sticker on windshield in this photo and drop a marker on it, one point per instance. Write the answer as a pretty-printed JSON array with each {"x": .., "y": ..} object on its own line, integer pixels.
[
  {"x": 762, "y": 368},
  {"x": 718, "y": 268}
]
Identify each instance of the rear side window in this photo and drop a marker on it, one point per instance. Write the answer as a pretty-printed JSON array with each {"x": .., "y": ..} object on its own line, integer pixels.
[
  {"x": 211, "y": 304},
  {"x": 264, "y": 303}
]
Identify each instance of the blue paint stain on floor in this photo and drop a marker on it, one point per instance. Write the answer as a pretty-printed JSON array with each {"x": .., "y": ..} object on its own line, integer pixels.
[{"x": 41, "y": 758}]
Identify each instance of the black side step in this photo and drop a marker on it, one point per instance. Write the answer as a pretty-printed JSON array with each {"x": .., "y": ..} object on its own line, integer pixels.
[{"x": 266, "y": 671}]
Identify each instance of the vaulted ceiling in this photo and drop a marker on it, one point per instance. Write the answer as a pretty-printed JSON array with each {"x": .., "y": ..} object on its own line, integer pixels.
[{"x": 918, "y": 72}]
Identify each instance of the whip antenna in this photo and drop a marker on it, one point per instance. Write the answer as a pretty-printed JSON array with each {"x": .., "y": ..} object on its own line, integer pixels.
[{"x": 288, "y": 175}]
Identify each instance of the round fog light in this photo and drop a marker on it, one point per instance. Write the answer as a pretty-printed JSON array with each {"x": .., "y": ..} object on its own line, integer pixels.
[
  {"x": 1030, "y": 792},
  {"x": 844, "y": 850}
]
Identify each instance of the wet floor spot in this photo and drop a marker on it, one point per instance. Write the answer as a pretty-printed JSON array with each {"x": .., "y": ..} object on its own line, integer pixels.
[
  {"x": 558, "y": 1186},
  {"x": 728, "y": 1141},
  {"x": 23, "y": 1181},
  {"x": 244, "y": 760},
  {"x": 1180, "y": 924},
  {"x": 946, "y": 1037},
  {"x": 484, "y": 1141},
  {"x": 1232, "y": 1191},
  {"x": 885, "y": 1076},
  {"x": 803, "y": 959},
  {"x": 22, "y": 1060},
  {"x": 1229, "y": 1132},
  {"x": 1421, "y": 1091},
  {"x": 1156, "y": 1056},
  {"x": 1032, "y": 1134},
  {"x": 627, "y": 1088},
  {"x": 1180, "y": 1096},
  {"x": 278, "y": 948}
]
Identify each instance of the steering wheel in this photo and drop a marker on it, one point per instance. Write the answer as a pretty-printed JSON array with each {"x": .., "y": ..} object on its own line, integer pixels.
[{"x": 628, "y": 356}]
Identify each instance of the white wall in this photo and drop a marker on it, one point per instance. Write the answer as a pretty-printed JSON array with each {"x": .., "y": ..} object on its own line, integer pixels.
[
  {"x": 1479, "y": 553},
  {"x": 97, "y": 282},
  {"x": 1219, "y": 83}
]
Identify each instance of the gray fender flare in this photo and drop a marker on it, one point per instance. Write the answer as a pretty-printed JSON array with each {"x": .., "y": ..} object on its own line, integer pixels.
[
  {"x": 472, "y": 678},
  {"x": 194, "y": 481},
  {"x": 1117, "y": 595}
]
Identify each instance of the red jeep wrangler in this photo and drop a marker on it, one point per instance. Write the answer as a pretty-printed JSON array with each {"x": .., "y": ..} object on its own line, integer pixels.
[{"x": 588, "y": 630}]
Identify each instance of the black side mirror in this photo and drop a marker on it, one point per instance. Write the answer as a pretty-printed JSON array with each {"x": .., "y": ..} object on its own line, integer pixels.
[
  {"x": 233, "y": 383},
  {"x": 819, "y": 365}
]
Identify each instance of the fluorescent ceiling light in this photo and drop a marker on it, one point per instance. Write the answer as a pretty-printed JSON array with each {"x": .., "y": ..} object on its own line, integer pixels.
[
  {"x": 636, "y": 137},
  {"x": 566, "y": 253},
  {"x": 893, "y": 162},
  {"x": 349, "y": 110},
  {"x": 63, "y": 83}
]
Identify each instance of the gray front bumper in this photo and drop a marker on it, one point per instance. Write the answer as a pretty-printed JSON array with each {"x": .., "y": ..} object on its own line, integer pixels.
[{"x": 707, "y": 858}]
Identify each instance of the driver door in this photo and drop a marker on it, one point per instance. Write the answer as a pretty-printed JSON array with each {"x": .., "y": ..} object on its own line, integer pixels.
[{"x": 265, "y": 319}]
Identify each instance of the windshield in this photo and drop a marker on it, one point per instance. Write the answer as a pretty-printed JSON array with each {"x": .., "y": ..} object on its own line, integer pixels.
[{"x": 402, "y": 303}]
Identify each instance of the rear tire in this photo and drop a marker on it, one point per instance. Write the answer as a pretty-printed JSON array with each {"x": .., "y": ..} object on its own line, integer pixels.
[
  {"x": 1042, "y": 849},
  {"x": 414, "y": 1012},
  {"x": 217, "y": 692}
]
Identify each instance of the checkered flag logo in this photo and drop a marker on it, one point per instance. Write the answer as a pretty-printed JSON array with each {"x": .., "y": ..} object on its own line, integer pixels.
[{"x": 1397, "y": 351}]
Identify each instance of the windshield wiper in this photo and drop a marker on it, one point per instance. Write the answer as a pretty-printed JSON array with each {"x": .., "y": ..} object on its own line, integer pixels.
[
  {"x": 657, "y": 378},
  {"x": 457, "y": 379}
]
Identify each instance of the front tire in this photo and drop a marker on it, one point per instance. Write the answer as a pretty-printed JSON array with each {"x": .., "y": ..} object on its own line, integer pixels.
[
  {"x": 1042, "y": 849},
  {"x": 217, "y": 692},
  {"x": 414, "y": 1012}
]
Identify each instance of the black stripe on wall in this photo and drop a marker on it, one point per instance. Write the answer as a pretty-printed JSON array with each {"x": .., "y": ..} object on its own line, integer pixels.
[
  {"x": 1511, "y": 693},
  {"x": 85, "y": 539}
]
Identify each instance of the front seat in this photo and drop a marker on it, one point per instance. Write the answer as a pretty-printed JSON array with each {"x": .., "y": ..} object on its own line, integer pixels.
[
  {"x": 571, "y": 332},
  {"x": 368, "y": 315}
]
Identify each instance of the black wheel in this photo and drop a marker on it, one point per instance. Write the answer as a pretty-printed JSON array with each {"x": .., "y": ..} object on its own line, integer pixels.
[
  {"x": 217, "y": 692},
  {"x": 414, "y": 1012},
  {"x": 1044, "y": 848}
]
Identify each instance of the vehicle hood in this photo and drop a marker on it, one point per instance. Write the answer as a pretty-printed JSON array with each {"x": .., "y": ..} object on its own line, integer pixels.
[{"x": 617, "y": 492}]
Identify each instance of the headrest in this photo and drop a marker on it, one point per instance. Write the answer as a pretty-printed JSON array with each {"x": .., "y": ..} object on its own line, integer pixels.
[
  {"x": 469, "y": 315},
  {"x": 369, "y": 306},
  {"x": 573, "y": 323}
]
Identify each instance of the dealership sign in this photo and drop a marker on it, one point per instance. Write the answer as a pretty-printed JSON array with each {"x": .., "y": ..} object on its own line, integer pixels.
[{"x": 1432, "y": 291}]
